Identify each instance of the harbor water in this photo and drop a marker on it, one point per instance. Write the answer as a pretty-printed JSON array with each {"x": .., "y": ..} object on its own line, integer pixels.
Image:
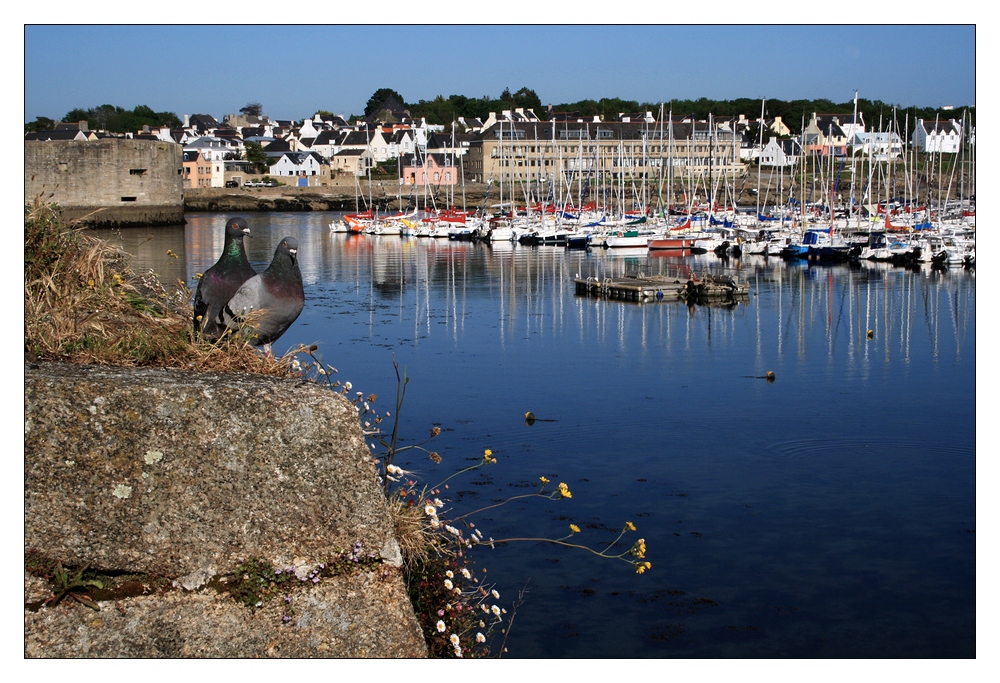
[{"x": 830, "y": 512}]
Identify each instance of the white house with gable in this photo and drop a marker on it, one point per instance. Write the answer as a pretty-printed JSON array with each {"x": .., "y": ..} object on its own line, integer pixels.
[
  {"x": 937, "y": 136},
  {"x": 299, "y": 165}
]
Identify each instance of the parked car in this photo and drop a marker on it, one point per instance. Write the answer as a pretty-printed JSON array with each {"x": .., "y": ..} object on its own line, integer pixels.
[{"x": 232, "y": 183}]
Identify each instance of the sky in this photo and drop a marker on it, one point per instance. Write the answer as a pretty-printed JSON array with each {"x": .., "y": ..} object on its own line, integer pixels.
[{"x": 296, "y": 70}]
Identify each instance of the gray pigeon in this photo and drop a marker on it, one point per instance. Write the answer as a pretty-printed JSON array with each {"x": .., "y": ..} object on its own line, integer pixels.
[
  {"x": 277, "y": 293},
  {"x": 220, "y": 282}
]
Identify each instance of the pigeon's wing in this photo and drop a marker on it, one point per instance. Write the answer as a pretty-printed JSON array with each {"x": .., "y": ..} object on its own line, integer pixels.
[{"x": 249, "y": 297}]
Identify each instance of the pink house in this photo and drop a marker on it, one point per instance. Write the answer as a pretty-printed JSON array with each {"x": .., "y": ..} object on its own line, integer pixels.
[
  {"x": 433, "y": 169},
  {"x": 197, "y": 170}
]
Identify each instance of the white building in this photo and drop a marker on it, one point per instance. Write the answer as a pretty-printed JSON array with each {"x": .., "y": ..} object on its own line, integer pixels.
[
  {"x": 781, "y": 152},
  {"x": 297, "y": 165},
  {"x": 215, "y": 150},
  {"x": 879, "y": 146},
  {"x": 937, "y": 136}
]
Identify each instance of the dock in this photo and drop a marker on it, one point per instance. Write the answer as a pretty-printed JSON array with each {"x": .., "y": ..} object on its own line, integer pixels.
[{"x": 650, "y": 288}]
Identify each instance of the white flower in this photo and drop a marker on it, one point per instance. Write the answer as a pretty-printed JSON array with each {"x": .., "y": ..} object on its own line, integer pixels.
[
  {"x": 454, "y": 639},
  {"x": 448, "y": 584},
  {"x": 450, "y": 574},
  {"x": 480, "y": 638},
  {"x": 440, "y": 626},
  {"x": 458, "y": 652},
  {"x": 437, "y": 502},
  {"x": 495, "y": 610},
  {"x": 347, "y": 386},
  {"x": 495, "y": 594},
  {"x": 466, "y": 573},
  {"x": 430, "y": 510},
  {"x": 435, "y": 523}
]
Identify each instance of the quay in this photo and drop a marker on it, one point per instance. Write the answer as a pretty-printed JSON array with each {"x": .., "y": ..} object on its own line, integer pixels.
[{"x": 663, "y": 288}]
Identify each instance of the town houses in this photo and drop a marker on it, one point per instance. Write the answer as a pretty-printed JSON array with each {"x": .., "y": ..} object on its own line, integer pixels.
[{"x": 512, "y": 146}]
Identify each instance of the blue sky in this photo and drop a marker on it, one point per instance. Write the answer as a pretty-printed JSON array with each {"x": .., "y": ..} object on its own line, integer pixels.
[{"x": 293, "y": 71}]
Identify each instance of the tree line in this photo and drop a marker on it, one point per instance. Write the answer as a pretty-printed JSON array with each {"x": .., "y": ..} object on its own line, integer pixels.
[
  {"x": 111, "y": 118},
  {"x": 443, "y": 110},
  {"x": 794, "y": 113}
]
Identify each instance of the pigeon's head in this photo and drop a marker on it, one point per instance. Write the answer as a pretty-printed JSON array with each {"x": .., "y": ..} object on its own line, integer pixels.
[
  {"x": 289, "y": 246},
  {"x": 237, "y": 227}
]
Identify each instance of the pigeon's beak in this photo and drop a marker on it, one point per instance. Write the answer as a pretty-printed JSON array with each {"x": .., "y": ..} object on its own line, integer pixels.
[
  {"x": 246, "y": 231},
  {"x": 292, "y": 253}
]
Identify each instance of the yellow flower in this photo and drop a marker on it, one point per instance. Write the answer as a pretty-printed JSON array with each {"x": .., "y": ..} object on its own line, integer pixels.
[
  {"x": 630, "y": 526},
  {"x": 639, "y": 568},
  {"x": 574, "y": 528},
  {"x": 544, "y": 480},
  {"x": 487, "y": 453},
  {"x": 565, "y": 493}
]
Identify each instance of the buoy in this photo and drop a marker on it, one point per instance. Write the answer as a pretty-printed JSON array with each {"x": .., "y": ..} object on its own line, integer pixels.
[
  {"x": 871, "y": 334},
  {"x": 770, "y": 376},
  {"x": 529, "y": 418}
]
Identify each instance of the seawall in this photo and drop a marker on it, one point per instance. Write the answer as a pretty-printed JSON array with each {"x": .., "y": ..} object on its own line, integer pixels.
[
  {"x": 168, "y": 482},
  {"x": 107, "y": 183}
]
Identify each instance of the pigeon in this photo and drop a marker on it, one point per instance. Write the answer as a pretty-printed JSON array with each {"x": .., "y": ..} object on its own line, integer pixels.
[
  {"x": 220, "y": 282},
  {"x": 275, "y": 297}
]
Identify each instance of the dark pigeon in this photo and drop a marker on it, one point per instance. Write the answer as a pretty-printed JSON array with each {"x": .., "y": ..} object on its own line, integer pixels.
[
  {"x": 275, "y": 297},
  {"x": 220, "y": 282}
]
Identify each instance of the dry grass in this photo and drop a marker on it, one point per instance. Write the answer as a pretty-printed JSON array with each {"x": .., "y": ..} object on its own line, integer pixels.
[
  {"x": 84, "y": 304},
  {"x": 415, "y": 539}
]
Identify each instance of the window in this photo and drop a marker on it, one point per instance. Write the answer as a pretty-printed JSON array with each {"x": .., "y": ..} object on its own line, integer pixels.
[{"x": 137, "y": 171}]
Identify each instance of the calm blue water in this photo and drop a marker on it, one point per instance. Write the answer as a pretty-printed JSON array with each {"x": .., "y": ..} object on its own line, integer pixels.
[{"x": 831, "y": 513}]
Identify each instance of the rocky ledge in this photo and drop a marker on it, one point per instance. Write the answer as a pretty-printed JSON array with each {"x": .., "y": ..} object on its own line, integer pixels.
[{"x": 177, "y": 488}]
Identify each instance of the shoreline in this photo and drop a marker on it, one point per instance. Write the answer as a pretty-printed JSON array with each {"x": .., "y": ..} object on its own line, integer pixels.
[{"x": 348, "y": 195}]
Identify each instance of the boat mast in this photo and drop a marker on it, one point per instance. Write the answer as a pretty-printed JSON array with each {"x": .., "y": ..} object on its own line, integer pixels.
[{"x": 760, "y": 145}]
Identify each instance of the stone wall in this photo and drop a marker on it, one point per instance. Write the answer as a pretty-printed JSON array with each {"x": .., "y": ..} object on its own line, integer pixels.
[
  {"x": 178, "y": 478},
  {"x": 107, "y": 183}
]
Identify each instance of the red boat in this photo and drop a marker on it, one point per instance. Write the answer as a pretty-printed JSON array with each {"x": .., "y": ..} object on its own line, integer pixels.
[{"x": 670, "y": 243}]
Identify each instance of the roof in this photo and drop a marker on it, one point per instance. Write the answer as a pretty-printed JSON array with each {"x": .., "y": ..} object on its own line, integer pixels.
[
  {"x": 564, "y": 131},
  {"x": 941, "y": 126},
  {"x": 202, "y": 121},
  {"x": 66, "y": 134},
  {"x": 299, "y": 158}
]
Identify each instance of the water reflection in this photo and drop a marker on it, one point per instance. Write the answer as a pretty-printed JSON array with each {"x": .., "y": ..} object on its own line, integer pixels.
[
  {"x": 795, "y": 307},
  {"x": 776, "y": 505}
]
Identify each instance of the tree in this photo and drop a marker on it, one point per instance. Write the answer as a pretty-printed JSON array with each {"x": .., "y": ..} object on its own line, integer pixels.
[
  {"x": 252, "y": 109},
  {"x": 40, "y": 123},
  {"x": 256, "y": 155},
  {"x": 527, "y": 99},
  {"x": 379, "y": 97}
]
